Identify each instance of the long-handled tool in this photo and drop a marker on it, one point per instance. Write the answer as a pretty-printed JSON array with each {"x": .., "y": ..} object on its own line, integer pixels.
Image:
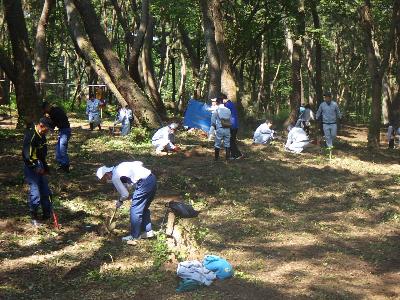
[{"x": 55, "y": 218}]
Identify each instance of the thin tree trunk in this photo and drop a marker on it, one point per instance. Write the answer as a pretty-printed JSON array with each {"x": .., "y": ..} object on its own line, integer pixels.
[
  {"x": 148, "y": 70},
  {"x": 194, "y": 60},
  {"x": 41, "y": 64},
  {"x": 137, "y": 45},
  {"x": 261, "y": 87},
  {"x": 181, "y": 93},
  {"x": 318, "y": 54},
  {"x": 165, "y": 72},
  {"x": 133, "y": 95},
  {"x": 27, "y": 99},
  {"x": 212, "y": 52}
]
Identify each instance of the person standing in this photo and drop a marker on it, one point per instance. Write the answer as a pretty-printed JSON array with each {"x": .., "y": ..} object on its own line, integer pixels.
[
  {"x": 93, "y": 112},
  {"x": 235, "y": 152},
  {"x": 60, "y": 120},
  {"x": 329, "y": 112},
  {"x": 124, "y": 117},
  {"x": 133, "y": 173},
  {"x": 221, "y": 120},
  {"x": 164, "y": 139},
  {"x": 34, "y": 154}
]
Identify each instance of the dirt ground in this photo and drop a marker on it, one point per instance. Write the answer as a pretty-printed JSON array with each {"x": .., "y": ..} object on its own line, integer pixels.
[{"x": 293, "y": 226}]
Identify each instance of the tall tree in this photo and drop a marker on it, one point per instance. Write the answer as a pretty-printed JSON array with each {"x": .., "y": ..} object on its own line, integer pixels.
[
  {"x": 41, "y": 61},
  {"x": 132, "y": 94},
  {"x": 212, "y": 52},
  {"x": 27, "y": 99},
  {"x": 376, "y": 66},
  {"x": 318, "y": 52},
  {"x": 228, "y": 81}
]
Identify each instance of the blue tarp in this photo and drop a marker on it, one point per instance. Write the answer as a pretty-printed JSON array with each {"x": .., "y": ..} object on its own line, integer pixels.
[{"x": 197, "y": 115}]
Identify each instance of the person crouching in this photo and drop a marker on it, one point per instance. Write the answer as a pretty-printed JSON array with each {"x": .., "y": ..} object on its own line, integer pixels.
[
  {"x": 164, "y": 139},
  {"x": 297, "y": 140},
  {"x": 133, "y": 173},
  {"x": 220, "y": 119}
]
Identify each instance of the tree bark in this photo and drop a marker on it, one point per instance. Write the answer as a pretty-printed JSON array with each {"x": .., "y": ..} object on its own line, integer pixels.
[
  {"x": 28, "y": 105},
  {"x": 41, "y": 64},
  {"x": 137, "y": 45},
  {"x": 181, "y": 93},
  {"x": 228, "y": 81},
  {"x": 148, "y": 70},
  {"x": 7, "y": 66},
  {"x": 295, "y": 98},
  {"x": 133, "y": 95},
  {"x": 85, "y": 49},
  {"x": 376, "y": 67},
  {"x": 212, "y": 52},
  {"x": 318, "y": 54}
]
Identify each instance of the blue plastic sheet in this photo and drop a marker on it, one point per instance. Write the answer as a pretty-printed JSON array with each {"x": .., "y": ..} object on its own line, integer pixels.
[{"x": 197, "y": 115}]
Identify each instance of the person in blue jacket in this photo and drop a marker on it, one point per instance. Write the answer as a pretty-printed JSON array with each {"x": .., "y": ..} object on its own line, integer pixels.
[{"x": 235, "y": 152}]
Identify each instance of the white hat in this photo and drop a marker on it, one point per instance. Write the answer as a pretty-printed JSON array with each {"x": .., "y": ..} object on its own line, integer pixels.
[
  {"x": 103, "y": 170},
  {"x": 173, "y": 126}
]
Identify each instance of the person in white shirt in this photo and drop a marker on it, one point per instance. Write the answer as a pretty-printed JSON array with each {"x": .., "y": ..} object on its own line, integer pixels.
[
  {"x": 221, "y": 120},
  {"x": 297, "y": 140},
  {"x": 211, "y": 132},
  {"x": 306, "y": 115},
  {"x": 93, "y": 112},
  {"x": 264, "y": 134},
  {"x": 164, "y": 139},
  {"x": 391, "y": 136},
  {"x": 330, "y": 113},
  {"x": 124, "y": 117},
  {"x": 133, "y": 173}
]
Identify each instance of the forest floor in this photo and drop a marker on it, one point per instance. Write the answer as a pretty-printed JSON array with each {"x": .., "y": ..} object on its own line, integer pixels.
[{"x": 293, "y": 226}]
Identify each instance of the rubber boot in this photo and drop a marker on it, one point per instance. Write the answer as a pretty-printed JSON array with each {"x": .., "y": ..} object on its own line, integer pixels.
[
  {"x": 227, "y": 153},
  {"x": 216, "y": 154},
  {"x": 91, "y": 126}
]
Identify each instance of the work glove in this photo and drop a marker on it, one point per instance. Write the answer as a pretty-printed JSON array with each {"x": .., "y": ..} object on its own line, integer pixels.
[{"x": 118, "y": 203}]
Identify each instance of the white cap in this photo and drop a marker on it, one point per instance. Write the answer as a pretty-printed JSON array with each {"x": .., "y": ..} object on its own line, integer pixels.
[
  {"x": 103, "y": 170},
  {"x": 173, "y": 126}
]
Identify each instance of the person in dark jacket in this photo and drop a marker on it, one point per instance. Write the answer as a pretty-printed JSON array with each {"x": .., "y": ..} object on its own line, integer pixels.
[
  {"x": 34, "y": 154},
  {"x": 235, "y": 152},
  {"x": 60, "y": 120}
]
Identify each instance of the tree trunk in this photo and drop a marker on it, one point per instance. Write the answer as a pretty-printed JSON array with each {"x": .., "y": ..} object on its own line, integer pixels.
[
  {"x": 181, "y": 93},
  {"x": 228, "y": 81},
  {"x": 194, "y": 59},
  {"x": 295, "y": 97},
  {"x": 41, "y": 64},
  {"x": 27, "y": 99},
  {"x": 376, "y": 67},
  {"x": 85, "y": 50},
  {"x": 212, "y": 52},
  {"x": 137, "y": 45},
  {"x": 133, "y": 95},
  {"x": 7, "y": 66},
  {"x": 261, "y": 87},
  {"x": 148, "y": 70},
  {"x": 318, "y": 54}
]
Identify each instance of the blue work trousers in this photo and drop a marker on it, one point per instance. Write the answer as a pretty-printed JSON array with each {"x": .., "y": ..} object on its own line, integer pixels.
[
  {"x": 125, "y": 128},
  {"x": 141, "y": 200},
  {"x": 64, "y": 135},
  {"x": 39, "y": 192}
]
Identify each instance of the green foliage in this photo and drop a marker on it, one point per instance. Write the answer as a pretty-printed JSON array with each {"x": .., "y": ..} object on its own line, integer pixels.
[
  {"x": 160, "y": 250},
  {"x": 139, "y": 135}
]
